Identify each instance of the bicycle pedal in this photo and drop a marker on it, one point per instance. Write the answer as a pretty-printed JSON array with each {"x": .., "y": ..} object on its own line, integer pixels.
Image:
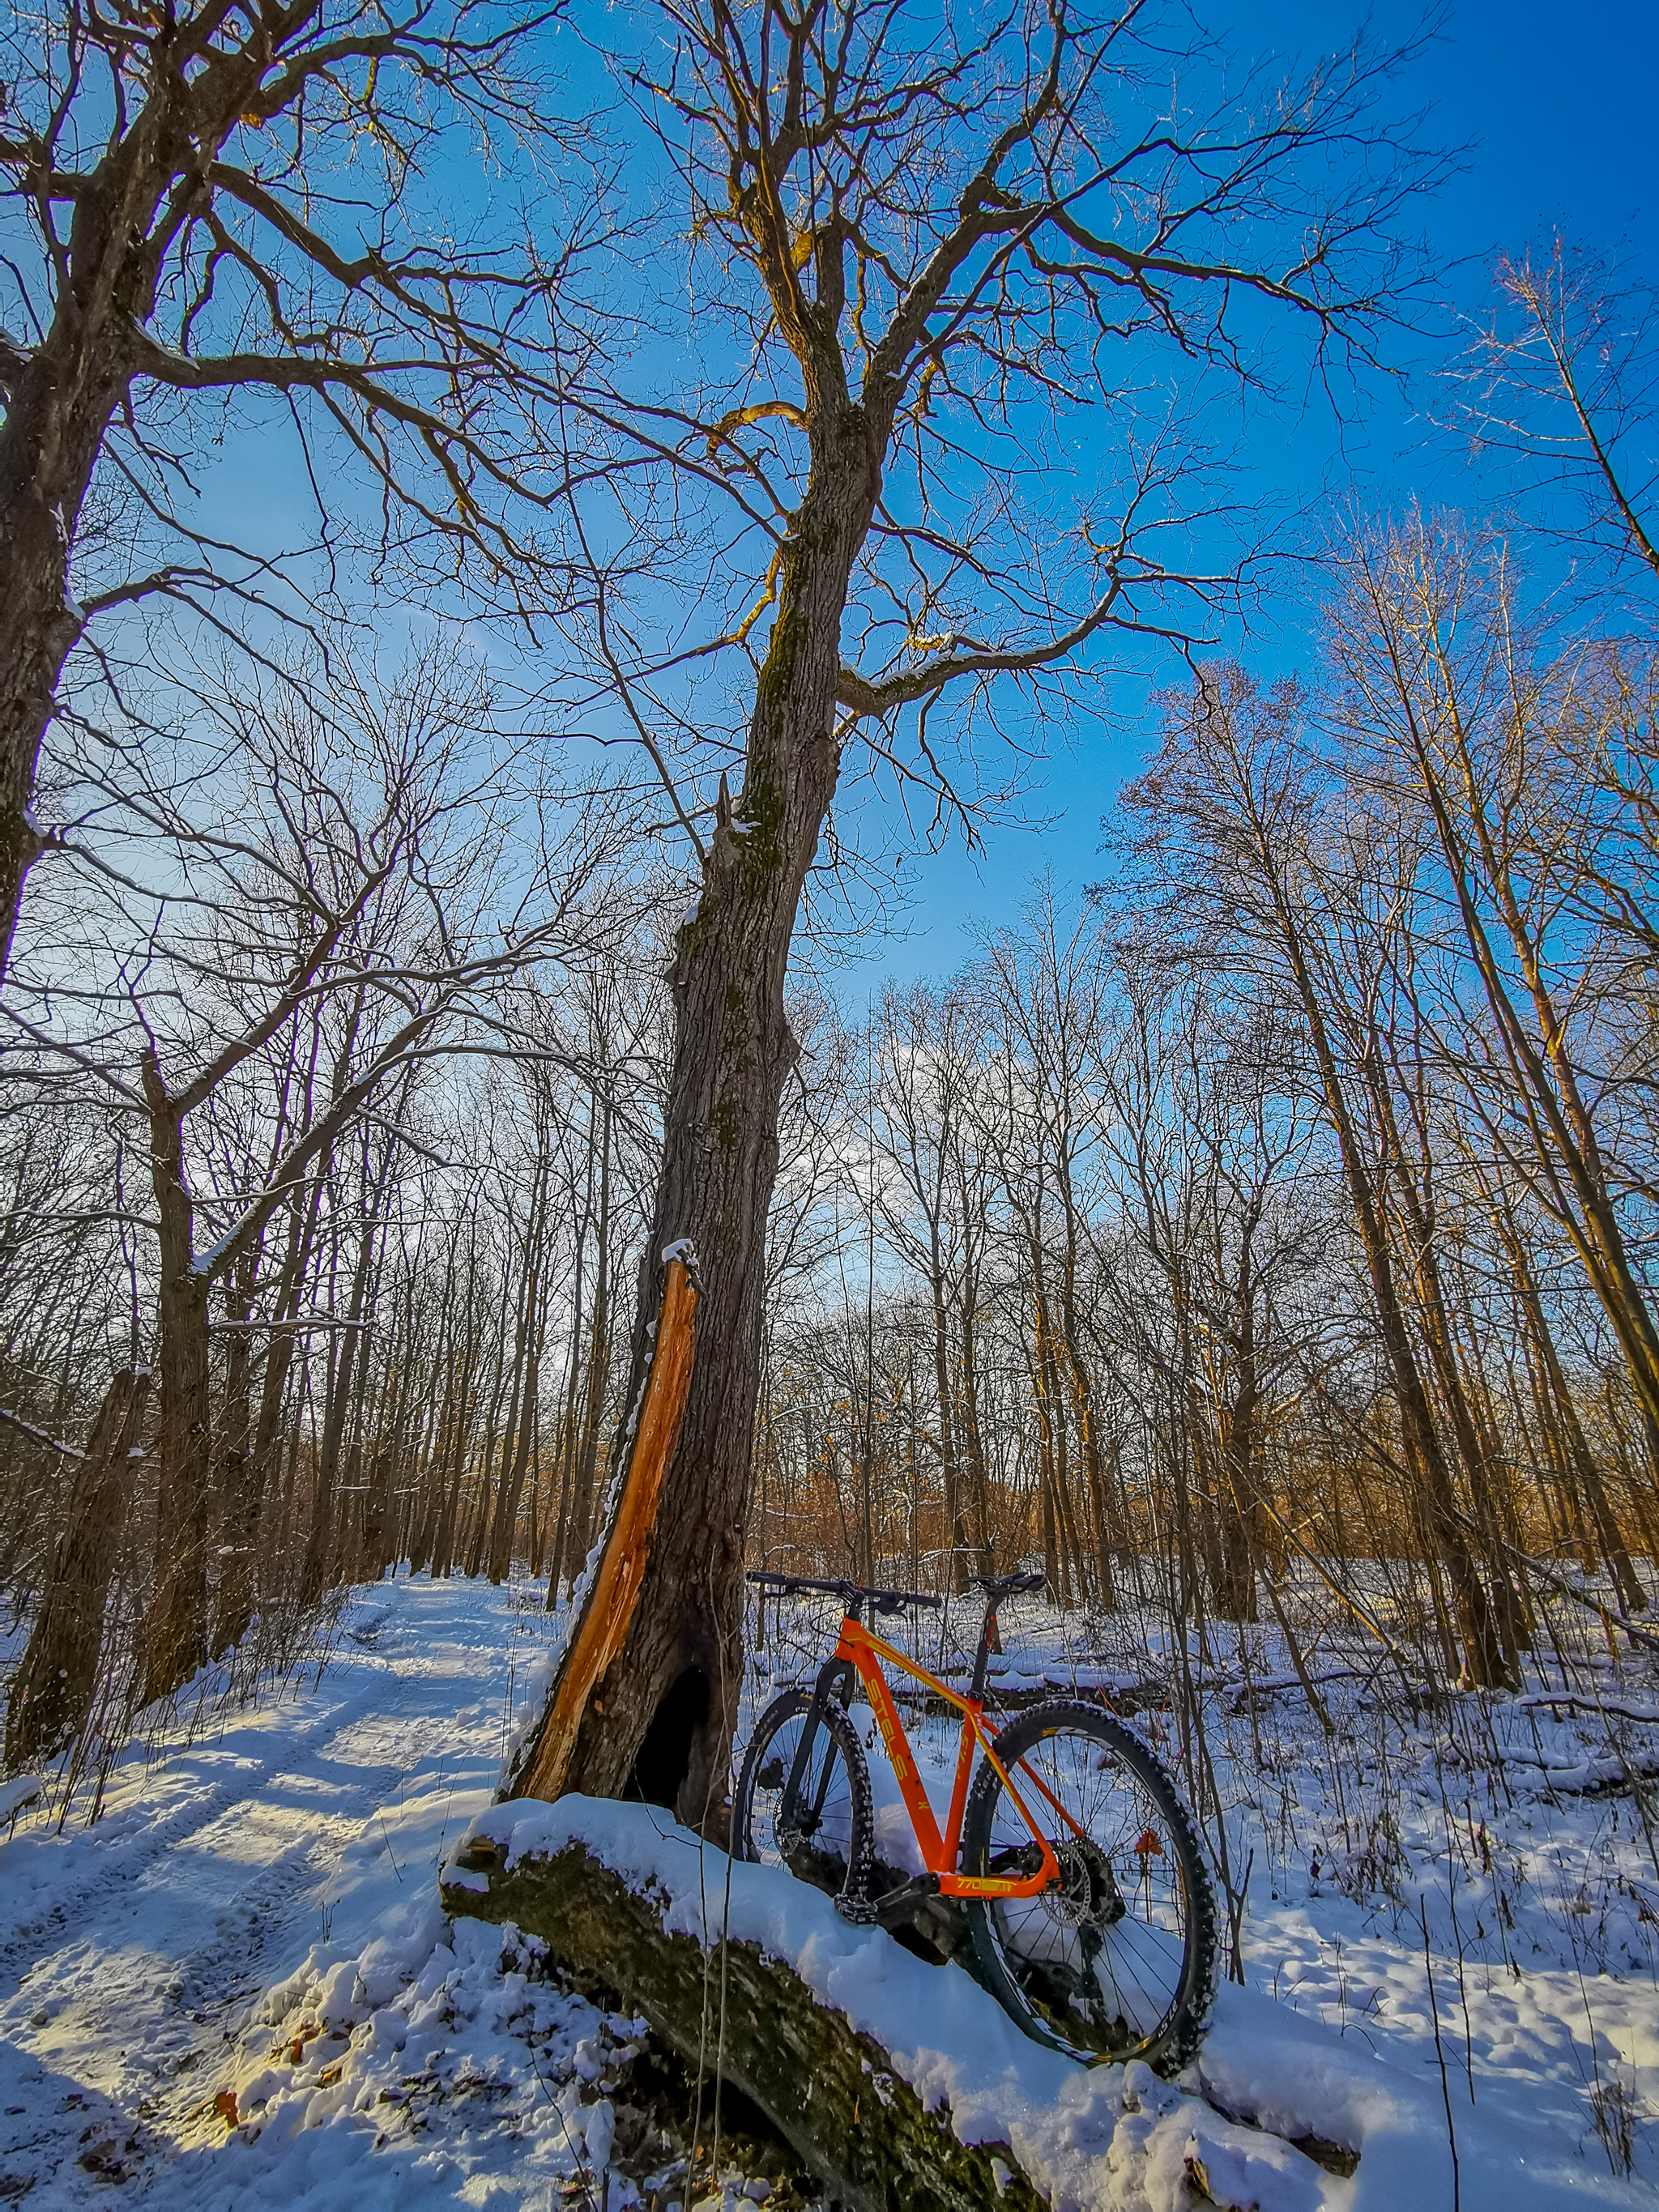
[
  {"x": 874, "y": 1911},
  {"x": 857, "y": 1912}
]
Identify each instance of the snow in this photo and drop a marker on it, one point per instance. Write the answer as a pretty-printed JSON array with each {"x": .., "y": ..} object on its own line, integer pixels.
[
  {"x": 1108, "y": 2137},
  {"x": 254, "y": 1918},
  {"x": 16, "y": 1795}
]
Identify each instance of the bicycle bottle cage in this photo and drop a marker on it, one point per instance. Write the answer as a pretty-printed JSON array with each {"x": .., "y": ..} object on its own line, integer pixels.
[{"x": 853, "y": 1595}]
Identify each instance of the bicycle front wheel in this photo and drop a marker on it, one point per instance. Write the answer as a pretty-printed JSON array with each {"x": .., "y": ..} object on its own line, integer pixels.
[
  {"x": 1117, "y": 1961},
  {"x": 829, "y": 1842}
]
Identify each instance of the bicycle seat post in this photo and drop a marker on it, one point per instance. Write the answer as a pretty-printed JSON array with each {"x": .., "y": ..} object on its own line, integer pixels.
[{"x": 987, "y": 1644}]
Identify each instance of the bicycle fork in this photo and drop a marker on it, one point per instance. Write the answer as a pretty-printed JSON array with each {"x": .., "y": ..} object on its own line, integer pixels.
[
  {"x": 798, "y": 1821},
  {"x": 801, "y": 1811}
]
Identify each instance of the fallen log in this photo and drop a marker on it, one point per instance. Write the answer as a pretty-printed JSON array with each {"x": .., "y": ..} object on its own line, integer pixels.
[
  {"x": 901, "y": 2084},
  {"x": 830, "y": 2090}
]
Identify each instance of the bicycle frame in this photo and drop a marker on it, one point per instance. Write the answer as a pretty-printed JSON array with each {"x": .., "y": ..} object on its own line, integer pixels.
[{"x": 859, "y": 1652}]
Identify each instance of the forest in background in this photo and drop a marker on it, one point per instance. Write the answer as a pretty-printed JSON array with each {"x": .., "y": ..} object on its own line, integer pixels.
[
  {"x": 1263, "y": 1234},
  {"x": 1285, "y": 1203}
]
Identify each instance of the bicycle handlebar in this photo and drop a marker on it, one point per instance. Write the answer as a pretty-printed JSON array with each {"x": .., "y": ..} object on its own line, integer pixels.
[{"x": 851, "y": 1594}]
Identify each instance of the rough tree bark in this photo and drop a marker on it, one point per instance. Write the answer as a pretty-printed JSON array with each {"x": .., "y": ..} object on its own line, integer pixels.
[
  {"x": 57, "y": 414},
  {"x": 732, "y": 1050},
  {"x": 879, "y": 268},
  {"x": 52, "y": 1691}
]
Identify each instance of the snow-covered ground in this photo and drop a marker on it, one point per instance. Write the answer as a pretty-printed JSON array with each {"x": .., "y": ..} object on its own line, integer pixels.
[{"x": 254, "y": 1919}]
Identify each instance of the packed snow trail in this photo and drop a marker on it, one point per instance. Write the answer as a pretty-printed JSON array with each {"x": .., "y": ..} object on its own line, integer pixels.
[
  {"x": 254, "y": 1925},
  {"x": 129, "y": 1947}
]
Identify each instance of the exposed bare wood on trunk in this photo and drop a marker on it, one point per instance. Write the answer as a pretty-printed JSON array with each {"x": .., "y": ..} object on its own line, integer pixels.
[{"x": 558, "y": 1760}]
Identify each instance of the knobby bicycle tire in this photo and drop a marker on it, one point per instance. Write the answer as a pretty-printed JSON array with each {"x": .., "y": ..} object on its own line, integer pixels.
[
  {"x": 1118, "y": 1963},
  {"x": 835, "y": 1857}
]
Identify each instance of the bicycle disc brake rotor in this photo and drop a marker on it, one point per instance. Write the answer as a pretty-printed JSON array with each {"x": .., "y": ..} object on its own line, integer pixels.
[
  {"x": 1088, "y": 1896},
  {"x": 805, "y": 1857}
]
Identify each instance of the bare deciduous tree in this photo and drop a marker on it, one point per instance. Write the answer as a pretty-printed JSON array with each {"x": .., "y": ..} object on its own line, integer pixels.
[
  {"x": 216, "y": 206},
  {"x": 936, "y": 253},
  {"x": 339, "y": 905}
]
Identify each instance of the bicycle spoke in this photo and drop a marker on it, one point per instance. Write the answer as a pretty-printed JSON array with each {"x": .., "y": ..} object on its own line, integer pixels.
[
  {"x": 818, "y": 1838},
  {"x": 1106, "y": 1962}
]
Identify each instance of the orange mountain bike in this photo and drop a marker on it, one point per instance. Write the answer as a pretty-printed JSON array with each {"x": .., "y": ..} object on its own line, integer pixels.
[{"x": 1069, "y": 1849}]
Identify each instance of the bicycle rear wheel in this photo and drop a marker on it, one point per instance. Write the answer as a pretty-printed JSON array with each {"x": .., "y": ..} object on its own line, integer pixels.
[
  {"x": 1118, "y": 1962},
  {"x": 830, "y": 1846}
]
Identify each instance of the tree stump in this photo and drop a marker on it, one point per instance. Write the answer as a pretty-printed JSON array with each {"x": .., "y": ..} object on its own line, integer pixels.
[{"x": 829, "y": 2089}]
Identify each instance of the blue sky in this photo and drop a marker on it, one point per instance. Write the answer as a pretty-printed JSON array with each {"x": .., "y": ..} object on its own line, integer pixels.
[{"x": 1557, "y": 107}]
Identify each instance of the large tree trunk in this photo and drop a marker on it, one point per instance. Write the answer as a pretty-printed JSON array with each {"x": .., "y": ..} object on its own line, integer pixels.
[
  {"x": 55, "y": 418},
  {"x": 57, "y": 409},
  {"x": 52, "y": 1690},
  {"x": 733, "y": 1051}
]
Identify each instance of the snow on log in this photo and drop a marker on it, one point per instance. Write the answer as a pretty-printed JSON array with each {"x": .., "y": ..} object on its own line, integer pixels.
[
  {"x": 831, "y": 2091},
  {"x": 898, "y": 2083}
]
